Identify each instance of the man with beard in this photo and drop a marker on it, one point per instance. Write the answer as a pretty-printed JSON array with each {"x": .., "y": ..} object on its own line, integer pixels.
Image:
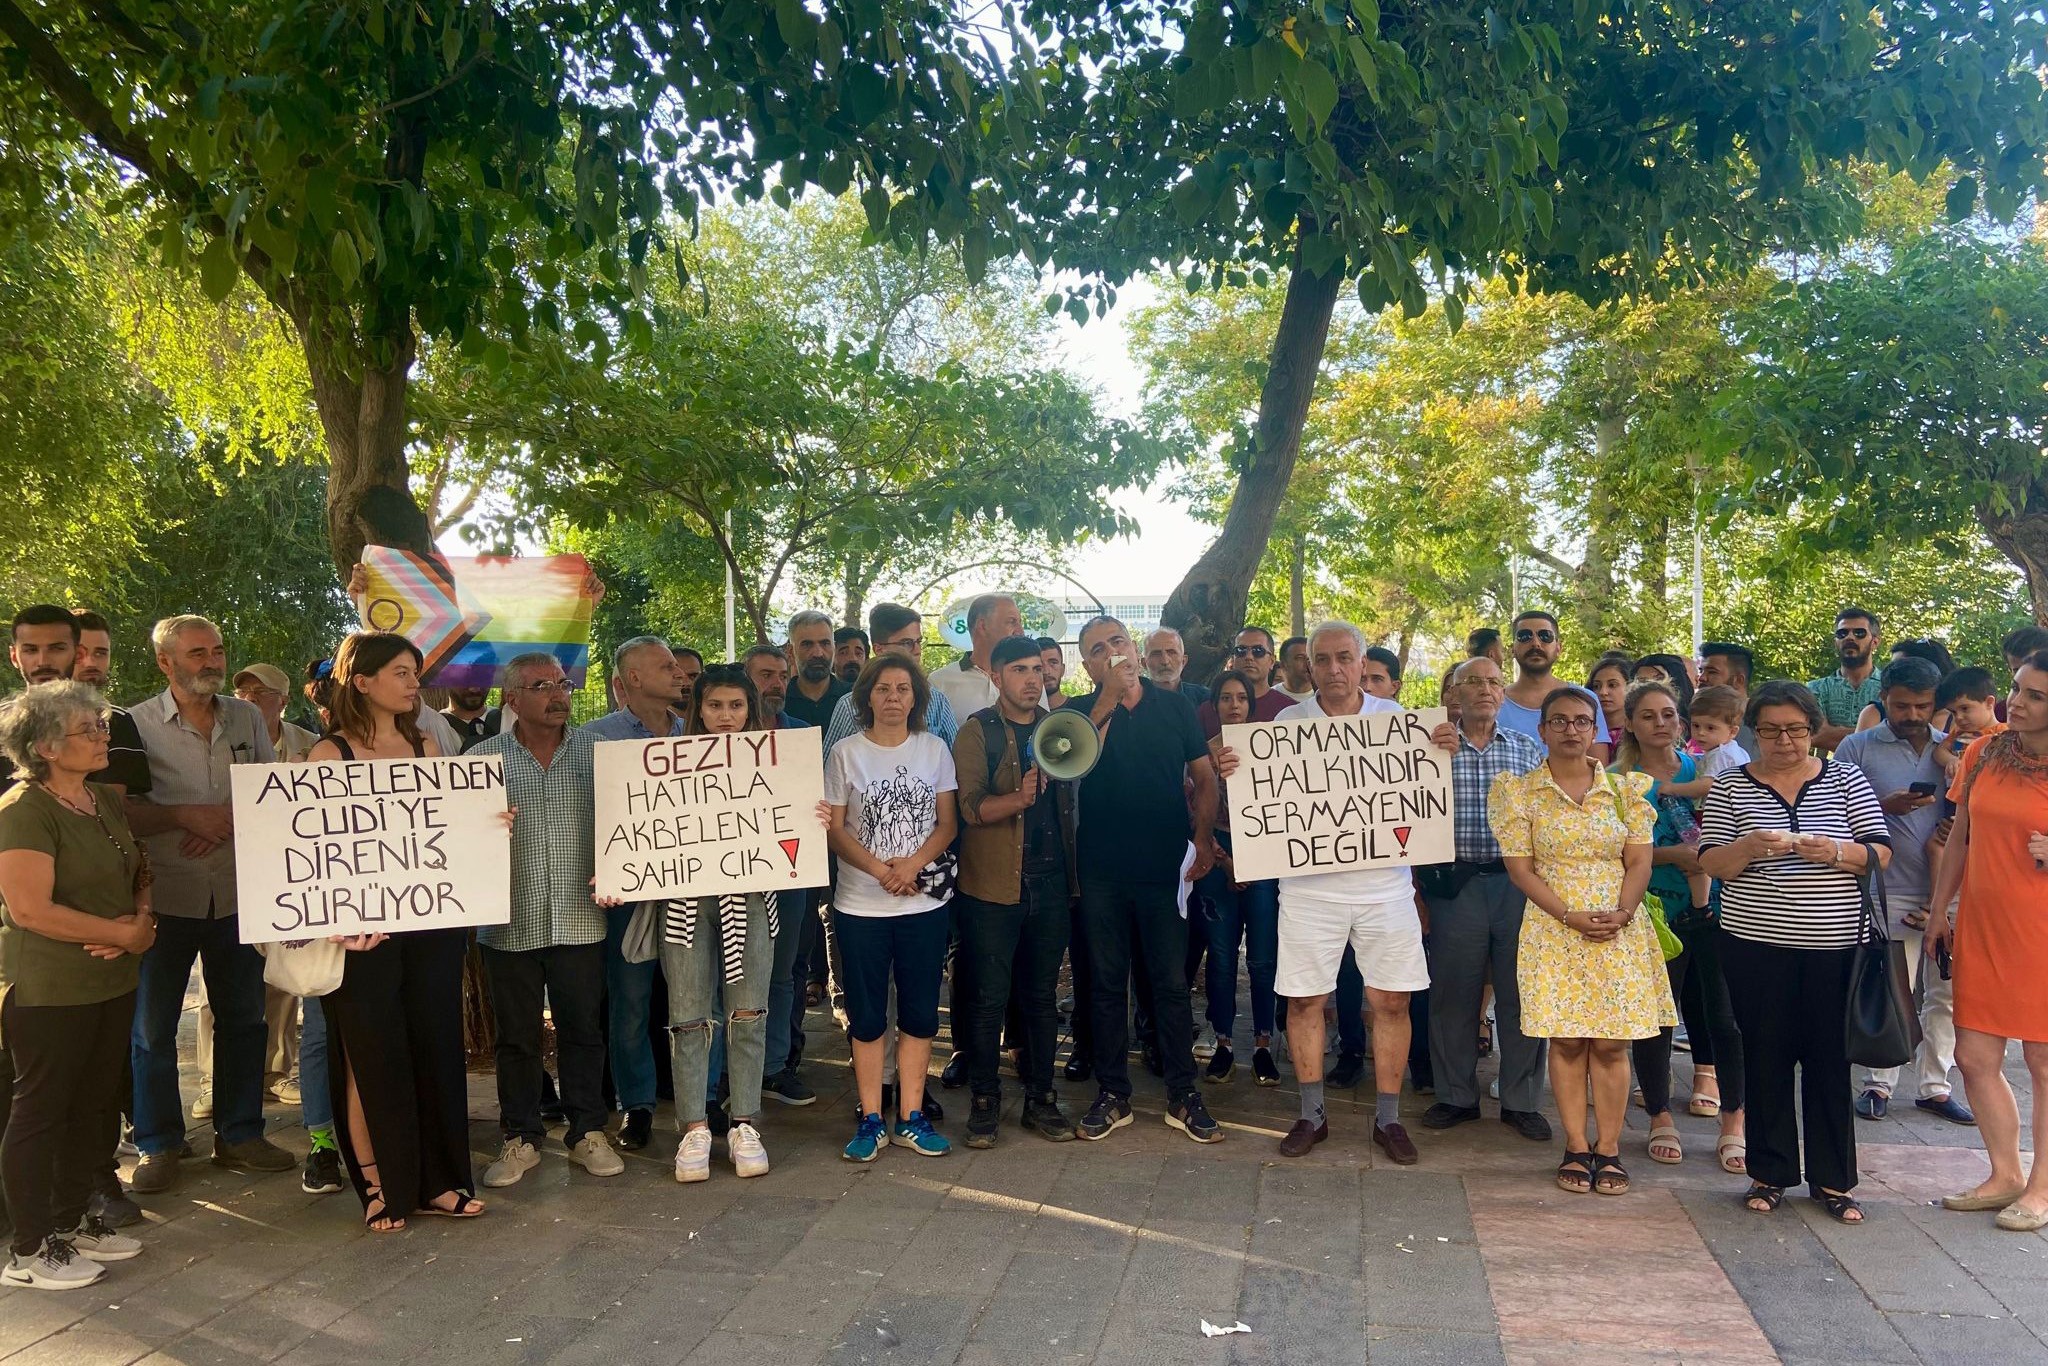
[
  {"x": 1844, "y": 693},
  {"x": 1537, "y": 641},
  {"x": 51, "y": 643},
  {"x": 1055, "y": 661},
  {"x": 1166, "y": 659},
  {"x": 1253, "y": 655},
  {"x": 194, "y": 735},
  {"x": 689, "y": 668},
  {"x": 1899, "y": 755},
  {"x": 850, "y": 651},
  {"x": 644, "y": 680},
  {"x": 815, "y": 689},
  {"x": 768, "y": 670},
  {"x": 1294, "y": 676},
  {"x": 471, "y": 716},
  {"x": 127, "y": 766},
  {"x": 549, "y": 959}
]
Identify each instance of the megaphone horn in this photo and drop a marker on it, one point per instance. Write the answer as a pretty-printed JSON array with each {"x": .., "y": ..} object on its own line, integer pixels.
[{"x": 1065, "y": 745}]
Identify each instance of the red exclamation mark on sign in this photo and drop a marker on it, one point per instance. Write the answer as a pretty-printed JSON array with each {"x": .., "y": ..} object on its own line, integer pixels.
[
  {"x": 1401, "y": 834},
  {"x": 789, "y": 851}
]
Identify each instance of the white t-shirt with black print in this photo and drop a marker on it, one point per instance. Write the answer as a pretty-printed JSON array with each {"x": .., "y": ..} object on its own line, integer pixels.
[{"x": 891, "y": 796}]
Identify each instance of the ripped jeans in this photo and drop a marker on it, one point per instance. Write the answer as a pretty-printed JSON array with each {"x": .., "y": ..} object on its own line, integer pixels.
[{"x": 696, "y": 979}]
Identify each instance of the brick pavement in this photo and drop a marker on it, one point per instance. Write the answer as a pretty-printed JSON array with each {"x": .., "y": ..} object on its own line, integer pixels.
[{"x": 1106, "y": 1253}]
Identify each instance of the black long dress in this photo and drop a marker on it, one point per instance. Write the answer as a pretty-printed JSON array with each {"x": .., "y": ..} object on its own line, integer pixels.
[{"x": 395, "y": 1022}]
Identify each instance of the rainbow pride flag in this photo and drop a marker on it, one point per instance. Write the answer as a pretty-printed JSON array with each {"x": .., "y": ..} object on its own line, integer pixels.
[{"x": 470, "y": 614}]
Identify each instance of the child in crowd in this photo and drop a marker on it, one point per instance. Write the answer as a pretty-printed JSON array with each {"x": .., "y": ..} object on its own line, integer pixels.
[
  {"x": 1716, "y": 718},
  {"x": 1970, "y": 696}
]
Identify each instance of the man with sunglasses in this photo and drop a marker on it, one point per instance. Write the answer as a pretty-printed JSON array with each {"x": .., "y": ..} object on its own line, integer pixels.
[
  {"x": 1254, "y": 656},
  {"x": 1537, "y": 640},
  {"x": 1844, "y": 693}
]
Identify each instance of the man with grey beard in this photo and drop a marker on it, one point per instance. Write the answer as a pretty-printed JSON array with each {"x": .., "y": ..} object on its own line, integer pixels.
[{"x": 194, "y": 735}]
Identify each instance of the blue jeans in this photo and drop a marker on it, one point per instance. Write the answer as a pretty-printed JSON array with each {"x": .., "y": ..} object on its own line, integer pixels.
[
  {"x": 792, "y": 909},
  {"x": 316, "y": 1106},
  {"x": 629, "y": 987},
  {"x": 1250, "y": 916},
  {"x": 700, "y": 1000},
  {"x": 234, "y": 987}
]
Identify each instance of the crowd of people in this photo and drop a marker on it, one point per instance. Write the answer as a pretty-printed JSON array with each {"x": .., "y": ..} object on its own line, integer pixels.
[{"x": 1669, "y": 842}]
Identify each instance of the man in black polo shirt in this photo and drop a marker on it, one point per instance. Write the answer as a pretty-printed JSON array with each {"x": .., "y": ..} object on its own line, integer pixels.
[
  {"x": 814, "y": 689},
  {"x": 1134, "y": 851}
]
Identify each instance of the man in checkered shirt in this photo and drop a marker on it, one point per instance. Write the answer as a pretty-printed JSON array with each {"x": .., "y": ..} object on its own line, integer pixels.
[
  {"x": 551, "y": 955},
  {"x": 1475, "y": 918}
]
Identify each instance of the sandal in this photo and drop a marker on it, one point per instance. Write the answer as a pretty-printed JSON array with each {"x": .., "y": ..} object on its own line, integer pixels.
[
  {"x": 1840, "y": 1205},
  {"x": 376, "y": 1215},
  {"x": 1664, "y": 1146},
  {"x": 1770, "y": 1197},
  {"x": 1575, "y": 1173},
  {"x": 466, "y": 1206},
  {"x": 1485, "y": 1038},
  {"x": 1609, "y": 1176},
  {"x": 1733, "y": 1154},
  {"x": 1704, "y": 1105}
]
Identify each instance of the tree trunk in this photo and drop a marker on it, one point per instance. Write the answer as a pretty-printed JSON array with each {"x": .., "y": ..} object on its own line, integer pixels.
[
  {"x": 1208, "y": 605},
  {"x": 1595, "y": 577},
  {"x": 1297, "y": 601},
  {"x": 361, "y": 403},
  {"x": 2023, "y": 538},
  {"x": 1657, "y": 568}
]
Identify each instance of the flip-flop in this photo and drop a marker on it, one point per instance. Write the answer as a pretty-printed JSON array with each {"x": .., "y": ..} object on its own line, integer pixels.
[
  {"x": 1668, "y": 1136},
  {"x": 466, "y": 1207},
  {"x": 1733, "y": 1154}
]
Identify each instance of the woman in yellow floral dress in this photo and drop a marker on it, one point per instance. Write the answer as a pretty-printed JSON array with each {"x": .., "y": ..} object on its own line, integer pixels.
[{"x": 1576, "y": 840}]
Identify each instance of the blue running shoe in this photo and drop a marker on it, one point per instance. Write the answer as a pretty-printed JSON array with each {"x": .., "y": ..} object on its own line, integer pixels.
[
  {"x": 868, "y": 1140},
  {"x": 918, "y": 1135}
]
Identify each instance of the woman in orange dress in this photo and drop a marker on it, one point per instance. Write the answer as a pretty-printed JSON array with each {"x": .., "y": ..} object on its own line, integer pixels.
[{"x": 1997, "y": 854}]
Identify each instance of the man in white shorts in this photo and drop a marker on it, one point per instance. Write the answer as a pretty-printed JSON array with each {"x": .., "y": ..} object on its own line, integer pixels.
[{"x": 1371, "y": 909}]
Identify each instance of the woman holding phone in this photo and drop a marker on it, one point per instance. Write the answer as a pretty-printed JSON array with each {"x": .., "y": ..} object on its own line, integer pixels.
[{"x": 1790, "y": 837}]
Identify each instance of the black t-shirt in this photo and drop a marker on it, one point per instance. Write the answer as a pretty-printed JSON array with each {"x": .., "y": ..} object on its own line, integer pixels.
[
  {"x": 1044, "y": 851},
  {"x": 477, "y": 729},
  {"x": 817, "y": 713},
  {"x": 1134, "y": 824},
  {"x": 127, "y": 762}
]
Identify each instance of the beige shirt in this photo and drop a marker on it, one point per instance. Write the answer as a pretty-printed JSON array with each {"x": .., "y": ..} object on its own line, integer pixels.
[{"x": 190, "y": 769}]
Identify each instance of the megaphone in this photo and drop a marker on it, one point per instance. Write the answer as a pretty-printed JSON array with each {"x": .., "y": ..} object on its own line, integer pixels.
[{"x": 1064, "y": 744}]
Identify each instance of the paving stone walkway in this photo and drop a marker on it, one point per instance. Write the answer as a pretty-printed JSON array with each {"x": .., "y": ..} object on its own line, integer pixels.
[{"x": 1109, "y": 1253}]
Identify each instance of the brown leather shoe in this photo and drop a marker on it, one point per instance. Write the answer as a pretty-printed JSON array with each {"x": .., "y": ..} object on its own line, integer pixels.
[
  {"x": 1393, "y": 1140},
  {"x": 1302, "y": 1137}
]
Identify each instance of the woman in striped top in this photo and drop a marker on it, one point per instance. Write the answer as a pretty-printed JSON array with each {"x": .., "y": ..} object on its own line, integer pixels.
[{"x": 1790, "y": 836}]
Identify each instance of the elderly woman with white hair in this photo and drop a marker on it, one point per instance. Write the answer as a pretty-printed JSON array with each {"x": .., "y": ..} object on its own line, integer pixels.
[{"x": 75, "y": 886}]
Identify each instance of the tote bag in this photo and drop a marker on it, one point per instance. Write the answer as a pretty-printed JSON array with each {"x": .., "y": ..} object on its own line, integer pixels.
[
  {"x": 310, "y": 967},
  {"x": 1880, "y": 1028}
]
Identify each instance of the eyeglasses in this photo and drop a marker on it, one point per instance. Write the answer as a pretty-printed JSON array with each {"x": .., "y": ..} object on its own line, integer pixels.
[
  {"x": 1851, "y": 632},
  {"x": 1524, "y": 636},
  {"x": 1255, "y": 651},
  {"x": 1571, "y": 723},
  {"x": 99, "y": 728},
  {"x": 547, "y": 686},
  {"x": 1784, "y": 732}
]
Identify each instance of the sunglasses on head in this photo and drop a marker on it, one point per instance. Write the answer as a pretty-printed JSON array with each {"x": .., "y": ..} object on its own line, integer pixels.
[
  {"x": 1255, "y": 651},
  {"x": 1525, "y": 635}
]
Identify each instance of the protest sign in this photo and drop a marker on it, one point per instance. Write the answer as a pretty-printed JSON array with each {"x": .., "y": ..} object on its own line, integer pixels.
[
  {"x": 1330, "y": 793},
  {"x": 370, "y": 846},
  {"x": 698, "y": 815}
]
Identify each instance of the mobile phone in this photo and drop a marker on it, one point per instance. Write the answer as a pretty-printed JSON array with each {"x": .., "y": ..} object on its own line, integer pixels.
[
  {"x": 1921, "y": 789},
  {"x": 1943, "y": 959}
]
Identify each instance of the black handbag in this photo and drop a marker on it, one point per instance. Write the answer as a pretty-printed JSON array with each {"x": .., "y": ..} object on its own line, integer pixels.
[{"x": 1880, "y": 1028}]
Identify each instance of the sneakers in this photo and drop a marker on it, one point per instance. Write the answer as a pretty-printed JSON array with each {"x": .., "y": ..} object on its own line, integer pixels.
[
  {"x": 1108, "y": 1114},
  {"x": 638, "y": 1130},
  {"x": 1205, "y": 1043},
  {"x": 97, "y": 1240},
  {"x": 983, "y": 1117},
  {"x": 594, "y": 1153},
  {"x": 253, "y": 1155},
  {"x": 1191, "y": 1117},
  {"x": 1348, "y": 1072},
  {"x": 743, "y": 1145},
  {"x": 54, "y": 1266},
  {"x": 1043, "y": 1116},
  {"x": 1265, "y": 1071},
  {"x": 287, "y": 1091},
  {"x": 1873, "y": 1104},
  {"x": 786, "y": 1087},
  {"x": 114, "y": 1207},
  {"x": 516, "y": 1159},
  {"x": 693, "y": 1156},
  {"x": 202, "y": 1104},
  {"x": 1221, "y": 1064},
  {"x": 868, "y": 1140},
  {"x": 322, "y": 1173},
  {"x": 155, "y": 1173},
  {"x": 918, "y": 1135}
]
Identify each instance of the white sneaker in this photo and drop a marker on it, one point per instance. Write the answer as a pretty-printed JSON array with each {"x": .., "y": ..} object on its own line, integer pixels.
[
  {"x": 202, "y": 1104},
  {"x": 55, "y": 1266},
  {"x": 743, "y": 1146},
  {"x": 288, "y": 1091},
  {"x": 97, "y": 1240},
  {"x": 1205, "y": 1043},
  {"x": 693, "y": 1156},
  {"x": 595, "y": 1154},
  {"x": 518, "y": 1158}
]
